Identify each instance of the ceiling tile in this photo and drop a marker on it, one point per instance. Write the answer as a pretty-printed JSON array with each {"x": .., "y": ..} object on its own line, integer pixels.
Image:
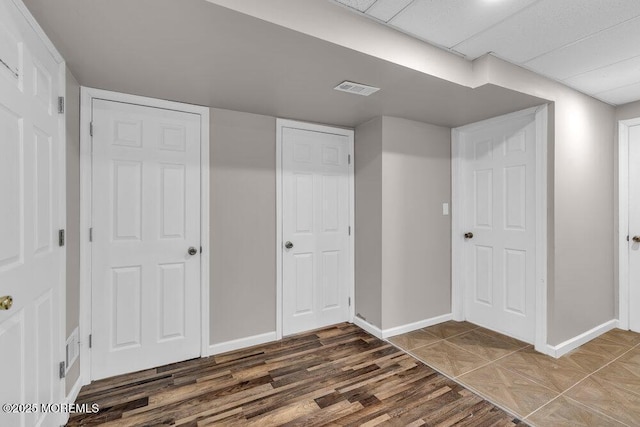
[
  {"x": 606, "y": 47},
  {"x": 548, "y": 25},
  {"x": 360, "y": 5},
  {"x": 622, "y": 95},
  {"x": 384, "y": 10},
  {"x": 613, "y": 76},
  {"x": 449, "y": 22}
]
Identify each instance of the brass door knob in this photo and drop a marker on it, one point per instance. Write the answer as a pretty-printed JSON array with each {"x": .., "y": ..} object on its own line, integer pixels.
[
  {"x": 6, "y": 302},
  {"x": 636, "y": 239},
  {"x": 468, "y": 235}
]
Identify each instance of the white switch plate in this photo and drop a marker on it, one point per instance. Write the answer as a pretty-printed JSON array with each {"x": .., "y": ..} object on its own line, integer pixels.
[{"x": 445, "y": 209}]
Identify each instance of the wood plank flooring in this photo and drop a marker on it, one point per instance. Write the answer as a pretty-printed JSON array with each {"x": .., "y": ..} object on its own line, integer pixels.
[{"x": 335, "y": 376}]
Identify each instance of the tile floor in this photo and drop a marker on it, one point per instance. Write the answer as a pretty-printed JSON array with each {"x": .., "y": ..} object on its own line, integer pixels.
[{"x": 597, "y": 384}]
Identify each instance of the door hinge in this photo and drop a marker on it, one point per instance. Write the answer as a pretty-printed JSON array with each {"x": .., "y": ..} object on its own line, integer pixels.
[
  {"x": 349, "y": 158},
  {"x": 349, "y": 230},
  {"x": 91, "y": 234},
  {"x": 60, "y": 237},
  {"x": 349, "y": 301},
  {"x": 90, "y": 340},
  {"x": 91, "y": 129},
  {"x": 63, "y": 370},
  {"x": 61, "y": 105}
]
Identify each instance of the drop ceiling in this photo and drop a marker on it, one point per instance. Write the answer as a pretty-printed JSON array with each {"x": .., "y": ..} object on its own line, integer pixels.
[
  {"x": 590, "y": 45},
  {"x": 196, "y": 52}
]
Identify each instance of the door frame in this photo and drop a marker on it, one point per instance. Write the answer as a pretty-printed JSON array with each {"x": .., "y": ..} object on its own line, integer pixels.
[
  {"x": 87, "y": 97},
  {"x": 624, "y": 289},
  {"x": 349, "y": 133},
  {"x": 458, "y": 199}
]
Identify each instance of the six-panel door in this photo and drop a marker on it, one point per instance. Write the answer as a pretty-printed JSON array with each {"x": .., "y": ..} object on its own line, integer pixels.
[
  {"x": 499, "y": 187},
  {"x": 146, "y": 216},
  {"x": 315, "y": 220},
  {"x": 30, "y": 257}
]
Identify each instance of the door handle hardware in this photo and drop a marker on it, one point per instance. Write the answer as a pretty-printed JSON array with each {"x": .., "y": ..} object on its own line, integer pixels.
[
  {"x": 636, "y": 239},
  {"x": 6, "y": 302},
  {"x": 288, "y": 245},
  {"x": 468, "y": 235},
  {"x": 192, "y": 251}
]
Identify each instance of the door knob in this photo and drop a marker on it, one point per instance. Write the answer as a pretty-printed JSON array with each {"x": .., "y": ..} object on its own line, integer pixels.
[
  {"x": 288, "y": 245},
  {"x": 468, "y": 235},
  {"x": 636, "y": 239},
  {"x": 192, "y": 251},
  {"x": 6, "y": 302}
]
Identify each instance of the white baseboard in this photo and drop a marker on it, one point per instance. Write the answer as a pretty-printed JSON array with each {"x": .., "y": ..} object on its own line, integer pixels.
[
  {"x": 72, "y": 396},
  {"x": 373, "y": 330},
  {"x": 403, "y": 329},
  {"x": 75, "y": 390},
  {"x": 226, "y": 346},
  {"x": 575, "y": 342}
]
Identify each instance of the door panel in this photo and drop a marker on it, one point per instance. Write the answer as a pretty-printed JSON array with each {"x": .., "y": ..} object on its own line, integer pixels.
[
  {"x": 484, "y": 275},
  {"x": 315, "y": 219},
  {"x": 499, "y": 179},
  {"x": 30, "y": 216},
  {"x": 146, "y": 214},
  {"x": 12, "y": 190},
  {"x": 171, "y": 302}
]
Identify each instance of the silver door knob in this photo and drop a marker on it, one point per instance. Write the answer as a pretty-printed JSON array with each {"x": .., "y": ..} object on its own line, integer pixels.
[
  {"x": 288, "y": 245},
  {"x": 636, "y": 239},
  {"x": 192, "y": 251},
  {"x": 468, "y": 235}
]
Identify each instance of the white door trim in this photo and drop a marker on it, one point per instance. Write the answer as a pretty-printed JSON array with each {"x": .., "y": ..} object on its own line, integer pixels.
[
  {"x": 458, "y": 197},
  {"x": 87, "y": 96},
  {"x": 623, "y": 221},
  {"x": 40, "y": 33},
  {"x": 349, "y": 133}
]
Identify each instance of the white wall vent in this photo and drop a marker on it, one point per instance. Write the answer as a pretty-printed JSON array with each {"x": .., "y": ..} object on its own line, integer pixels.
[
  {"x": 73, "y": 349},
  {"x": 356, "y": 88}
]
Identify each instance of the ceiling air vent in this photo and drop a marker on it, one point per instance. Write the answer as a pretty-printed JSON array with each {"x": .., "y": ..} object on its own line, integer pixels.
[{"x": 356, "y": 88}]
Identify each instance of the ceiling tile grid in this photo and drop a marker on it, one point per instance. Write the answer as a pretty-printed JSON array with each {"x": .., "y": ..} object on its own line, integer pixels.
[
  {"x": 448, "y": 22},
  {"x": 590, "y": 45},
  {"x": 385, "y": 10},
  {"x": 619, "y": 74},
  {"x": 546, "y": 26}
]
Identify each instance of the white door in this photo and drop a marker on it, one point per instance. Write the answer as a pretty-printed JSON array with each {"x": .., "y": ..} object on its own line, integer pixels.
[
  {"x": 145, "y": 218},
  {"x": 30, "y": 215},
  {"x": 498, "y": 173},
  {"x": 315, "y": 229},
  {"x": 634, "y": 227}
]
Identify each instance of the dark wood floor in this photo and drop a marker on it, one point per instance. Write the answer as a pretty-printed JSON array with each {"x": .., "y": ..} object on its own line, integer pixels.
[{"x": 336, "y": 376}]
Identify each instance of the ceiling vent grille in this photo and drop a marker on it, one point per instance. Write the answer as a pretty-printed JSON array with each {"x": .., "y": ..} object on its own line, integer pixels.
[{"x": 356, "y": 88}]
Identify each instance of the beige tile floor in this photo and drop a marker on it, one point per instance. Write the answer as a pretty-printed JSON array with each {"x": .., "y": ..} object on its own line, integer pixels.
[{"x": 597, "y": 384}]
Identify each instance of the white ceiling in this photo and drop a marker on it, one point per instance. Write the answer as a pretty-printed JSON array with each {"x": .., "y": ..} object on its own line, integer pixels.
[{"x": 590, "y": 45}]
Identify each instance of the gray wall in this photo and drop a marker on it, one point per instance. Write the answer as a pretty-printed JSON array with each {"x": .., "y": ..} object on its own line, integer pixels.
[
  {"x": 243, "y": 225},
  {"x": 628, "y": 111},
  {"x": 72, "y": 117},
  {"x": 368, "y": 218},
  {"x": 403, "y": 242},
  {"x": 416, "y": 237}
]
